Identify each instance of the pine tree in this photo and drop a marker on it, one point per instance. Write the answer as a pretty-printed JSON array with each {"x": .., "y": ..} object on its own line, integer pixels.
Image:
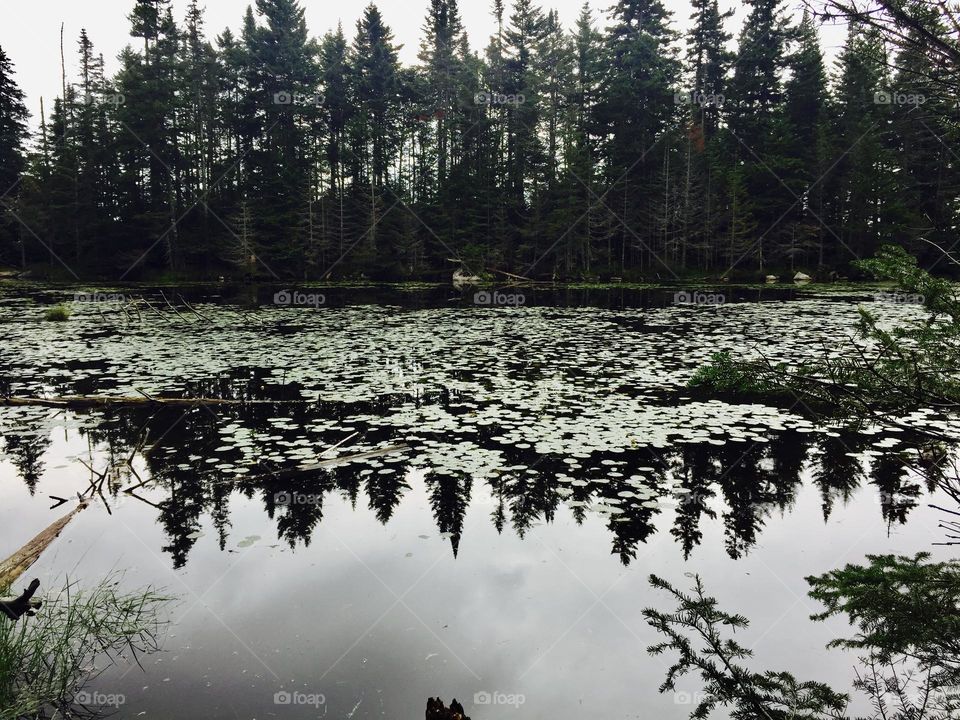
[
  {"x": 338, "y": 109},
  {"x": 758, "y": 124},
  {"x": 521, "y": 100},
  {"x": 375, "y": 130},
  {"x": 859, "y": 146},
  {"x": 13, "y": 139},
  {"x": 148, "y": 141},
  {"x": 637, "y": 111},
  {"x": 807, "y": 97},
  {"x": 923, "y": 135},
  {"x": 283, "y": 86},
  {"x": 441, "y": 53},
  {"x": 709, "y": 62}
]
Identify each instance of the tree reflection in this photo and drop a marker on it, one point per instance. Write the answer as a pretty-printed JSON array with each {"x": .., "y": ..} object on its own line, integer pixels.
[{"x": 182, "y": 457}]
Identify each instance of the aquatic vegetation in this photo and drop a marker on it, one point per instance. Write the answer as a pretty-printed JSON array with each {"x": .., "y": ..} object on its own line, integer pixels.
[
  {"x": 46, "y": 660},
  {"x": 545, "y": 407},
  {"x": 883, "y": 368},
  {"x": 58, "y": 313}
]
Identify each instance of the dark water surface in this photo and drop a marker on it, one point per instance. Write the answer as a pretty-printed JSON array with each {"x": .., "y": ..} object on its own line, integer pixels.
[{"x": 554, "y": 458}]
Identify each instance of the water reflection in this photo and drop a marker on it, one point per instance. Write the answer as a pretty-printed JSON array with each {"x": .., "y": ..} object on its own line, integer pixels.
[{"x": 188, "y": 474}]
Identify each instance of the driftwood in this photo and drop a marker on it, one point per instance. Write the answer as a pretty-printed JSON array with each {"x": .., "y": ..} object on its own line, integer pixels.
[
  {"x": 514, "y": 277},
  {"x": 437, "y": 711},
  {"x": 16, "y": 607},
  {"x": 18, "y": 563},
  {"x": 93, "y": 401},
  {"x": 14, "y": 566}
]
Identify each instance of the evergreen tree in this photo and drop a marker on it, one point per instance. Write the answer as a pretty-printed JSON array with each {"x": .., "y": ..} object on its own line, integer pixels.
[
  {"x": 283, "y": 94},
  {"x": 13, "y": 139},
  {"x": 709, "y": 62},
  {"x": 375, "y": 130},
  {"x": 551, "y": 154},
  {"x": 862, "y": 156},
  {"x": 637, "y": 111},
  {"x": 807, "y": 97},
  {"x": 758, "y": 124}
]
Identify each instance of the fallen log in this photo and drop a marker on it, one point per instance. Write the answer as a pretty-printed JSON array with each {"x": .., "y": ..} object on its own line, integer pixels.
[
  {"x": 18, "y": 563},
  {"x": 514, "y": 277},
  {"x": 93, "y": 401}
]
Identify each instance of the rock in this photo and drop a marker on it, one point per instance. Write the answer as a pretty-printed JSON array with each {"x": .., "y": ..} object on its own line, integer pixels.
[
  {"x": 462, "y": 280},
  {"x": 771, "y": 279},
  {"x": 802, "y": 278}
]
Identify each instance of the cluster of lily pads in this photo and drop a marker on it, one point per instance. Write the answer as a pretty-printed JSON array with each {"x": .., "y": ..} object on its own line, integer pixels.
[{"x": 484, "y": 393}]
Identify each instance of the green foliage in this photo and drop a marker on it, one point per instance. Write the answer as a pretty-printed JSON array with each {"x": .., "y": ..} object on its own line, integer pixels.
[
  {"x": 894, "y": 263},
  {"x": 695, "y": 630},
  {"x": 57, "y": 313},
  {"x": 907, "y": 612},
  {"x": 886, "y": 368},
  {"x": 46, "y": 660},
  {"x": 725, "y": 375},
  {"x": 901, "y": 606}
]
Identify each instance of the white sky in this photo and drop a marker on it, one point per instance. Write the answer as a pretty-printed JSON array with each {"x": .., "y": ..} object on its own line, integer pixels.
[{"x": 30, "y": 34}]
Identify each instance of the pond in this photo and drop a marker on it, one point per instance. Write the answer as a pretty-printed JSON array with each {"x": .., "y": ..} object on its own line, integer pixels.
[{"x": 525, "y": 460}]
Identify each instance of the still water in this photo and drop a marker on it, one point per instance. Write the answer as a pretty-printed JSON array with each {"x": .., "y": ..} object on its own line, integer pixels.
[{"x": 524, "y": 468}]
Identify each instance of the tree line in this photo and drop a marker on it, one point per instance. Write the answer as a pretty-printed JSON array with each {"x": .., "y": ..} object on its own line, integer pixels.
[{"x": 621, "y": 148}]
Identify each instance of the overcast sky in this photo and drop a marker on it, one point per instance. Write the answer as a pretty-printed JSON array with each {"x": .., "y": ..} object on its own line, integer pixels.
[{"x": 30, "y": 35}]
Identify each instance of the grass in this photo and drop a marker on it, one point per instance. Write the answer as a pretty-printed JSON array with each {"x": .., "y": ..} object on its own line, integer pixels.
[
  {"x": 45, "y": 661},
  {"x": 57, "y": 313}
]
